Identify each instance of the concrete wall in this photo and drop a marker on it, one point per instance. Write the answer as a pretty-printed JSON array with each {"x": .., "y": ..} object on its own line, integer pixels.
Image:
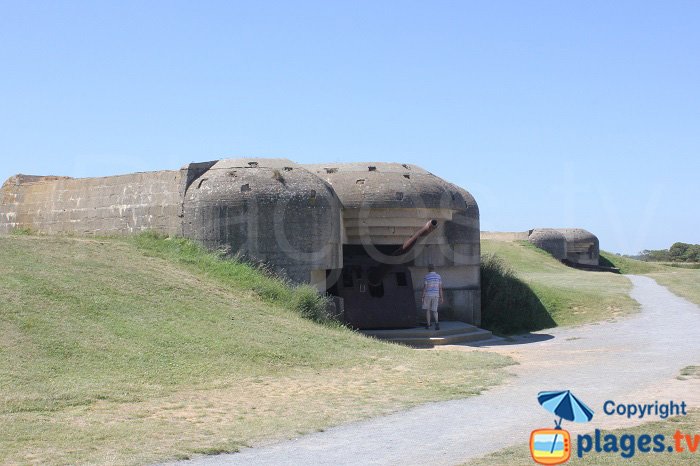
[
  {"x": 92, "y": 206},
  {"x": 461, "y": 288},
  {"x": 505, "y": 235}
]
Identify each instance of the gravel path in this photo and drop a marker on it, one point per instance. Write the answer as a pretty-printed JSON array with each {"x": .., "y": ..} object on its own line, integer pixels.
[{"x": 611, "y": 360}]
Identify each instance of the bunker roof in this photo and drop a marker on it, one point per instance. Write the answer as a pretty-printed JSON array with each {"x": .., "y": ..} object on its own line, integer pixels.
[
  {"x": 578, "y": 235},
  {"x": 391, "y": 185}
]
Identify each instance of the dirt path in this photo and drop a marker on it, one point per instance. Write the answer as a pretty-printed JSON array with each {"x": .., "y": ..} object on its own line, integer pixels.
[{"x": 633, "y": 360}]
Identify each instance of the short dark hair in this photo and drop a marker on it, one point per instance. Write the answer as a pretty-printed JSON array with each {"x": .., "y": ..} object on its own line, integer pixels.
[{"x": 431, "y": 268}]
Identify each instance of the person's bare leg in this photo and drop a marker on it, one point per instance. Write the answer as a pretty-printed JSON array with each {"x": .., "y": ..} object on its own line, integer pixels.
[{"x": 427, "y": 317}]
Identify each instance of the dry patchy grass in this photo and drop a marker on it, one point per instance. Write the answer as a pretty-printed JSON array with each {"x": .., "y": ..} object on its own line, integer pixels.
[
  {"x": 683, "y": 282},
  {"x": 680, "y": 280},
  {"x": 128, "y": 352}
]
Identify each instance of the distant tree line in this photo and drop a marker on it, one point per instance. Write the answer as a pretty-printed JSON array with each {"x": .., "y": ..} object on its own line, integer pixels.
[{"x": 678, "y": 252}]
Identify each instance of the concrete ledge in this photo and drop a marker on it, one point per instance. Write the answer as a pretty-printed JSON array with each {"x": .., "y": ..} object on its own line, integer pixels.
[{"x": 450, "y": 333}]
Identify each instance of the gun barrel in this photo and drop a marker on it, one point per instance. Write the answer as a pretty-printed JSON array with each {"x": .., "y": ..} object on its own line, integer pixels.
[
  {"x": 376, "y": 275},
  {"x": 410, "y": 242}
]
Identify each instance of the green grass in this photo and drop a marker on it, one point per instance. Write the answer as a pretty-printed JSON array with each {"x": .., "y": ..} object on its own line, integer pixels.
[
  {"x": 690, "y": 424},
  {"x": 683, "y": 282},
  {"x": 302, "y": 298},
  {"x": 629, "y": 266},
  {"x": 682, "y": 279},
  {"x": 21, "y": 231},
  {"x": 133, "y": 351},
  {"x": 682, "y": 265},
  {"x": 566, "y": 295},
  {"x": 689, "y": 372}
]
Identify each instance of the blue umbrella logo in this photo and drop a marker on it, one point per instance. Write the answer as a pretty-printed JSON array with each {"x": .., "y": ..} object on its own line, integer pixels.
[
  {"x": 566, "y": 406},
  {"x": 552, "y": 446}
]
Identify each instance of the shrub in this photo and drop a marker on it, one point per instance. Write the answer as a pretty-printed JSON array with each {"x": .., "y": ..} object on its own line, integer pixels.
[
  {"x": 508, "y": 305},
  {"x": 312, "y": 305},
  {"x": 22, "y": 231}
]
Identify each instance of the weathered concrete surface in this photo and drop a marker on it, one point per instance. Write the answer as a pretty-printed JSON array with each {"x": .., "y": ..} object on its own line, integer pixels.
[
  {"x": 450, "y": 333},
  {"x": 112, "y": 205},
  {"x": 550, "y": 240},
  {"x": 505, "y": 235},
  {"x": 270, "y": 209},
  {"x": 624, "y": 361},
  {"x": 582, "y": 246}
]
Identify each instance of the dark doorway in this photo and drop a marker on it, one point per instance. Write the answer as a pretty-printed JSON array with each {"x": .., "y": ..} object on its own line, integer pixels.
[{"x": 375, "y": 295}]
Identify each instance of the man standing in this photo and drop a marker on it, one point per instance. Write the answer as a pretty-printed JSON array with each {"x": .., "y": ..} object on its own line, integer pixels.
[{"x": 432, "y": 295}]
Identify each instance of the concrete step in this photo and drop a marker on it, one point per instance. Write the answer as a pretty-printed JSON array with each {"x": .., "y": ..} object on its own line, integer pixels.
[
  {"x": 419, "y": 332},
  {"x": 450, "y": 333},
  {"x": 450, "y": 340}
]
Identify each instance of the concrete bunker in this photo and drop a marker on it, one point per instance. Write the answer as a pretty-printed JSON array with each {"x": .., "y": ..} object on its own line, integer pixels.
[
  {"x": 384, "y": 205},
  {"x": 336, "y": 226},
  {"x": 582, "y": 246},
  {"x": 550, "y": 240},
  {"x": 575, "y": 247}
]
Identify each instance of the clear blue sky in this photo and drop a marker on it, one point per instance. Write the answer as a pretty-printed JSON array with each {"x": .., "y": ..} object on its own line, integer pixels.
[{"x": 561, "y": 113}]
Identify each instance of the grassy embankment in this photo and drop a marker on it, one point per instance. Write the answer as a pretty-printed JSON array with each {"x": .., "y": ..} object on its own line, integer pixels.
[
  {"x": 130, "y": 351},
  {"x": 524, "y": 288},
  {"x": 543, "y": 293}
]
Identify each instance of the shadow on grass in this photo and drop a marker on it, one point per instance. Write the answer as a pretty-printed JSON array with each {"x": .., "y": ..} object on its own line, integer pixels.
[
  {"x": 605, "y": 262},
  {"x": 508, "y": 305}
]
